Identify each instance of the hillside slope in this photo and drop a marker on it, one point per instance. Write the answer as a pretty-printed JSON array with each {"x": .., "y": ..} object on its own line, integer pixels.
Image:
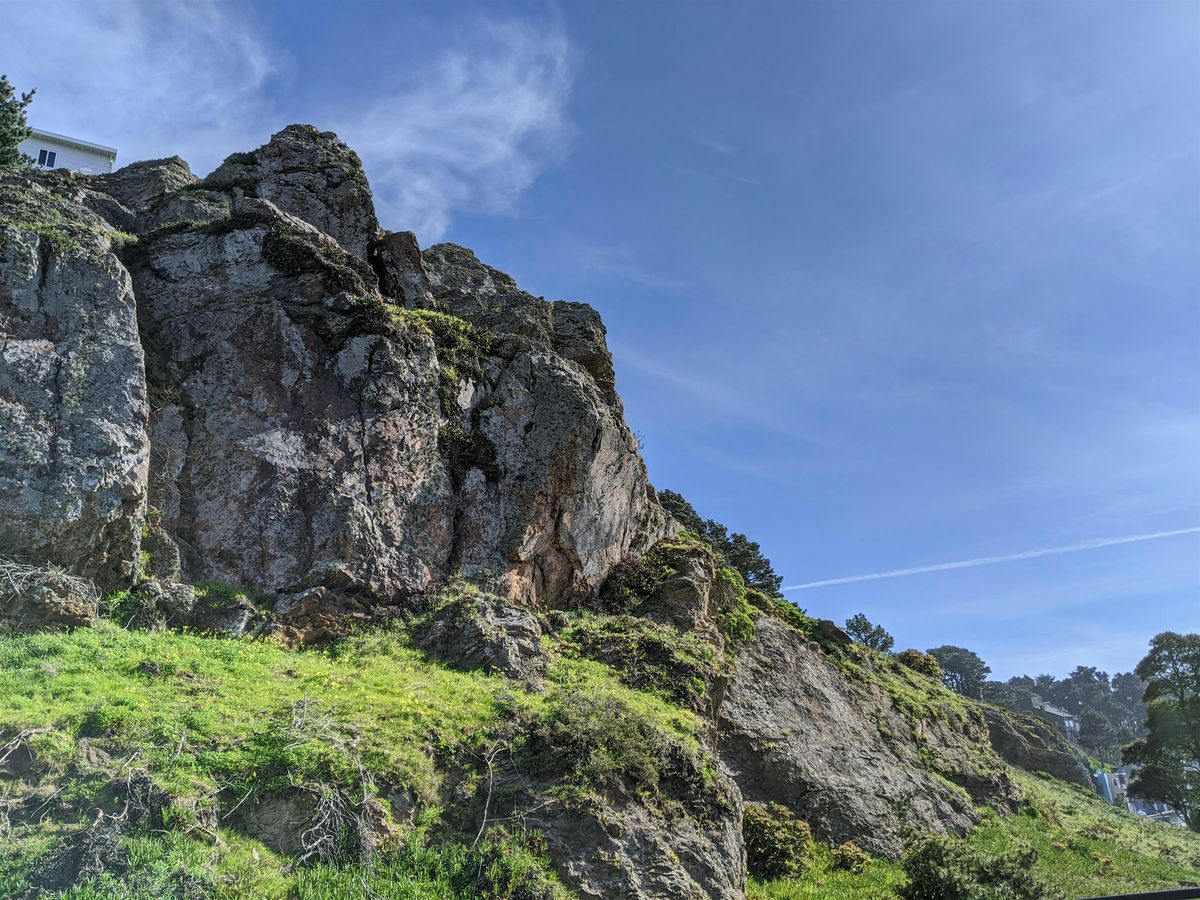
[{"x": 329, "y": 568}]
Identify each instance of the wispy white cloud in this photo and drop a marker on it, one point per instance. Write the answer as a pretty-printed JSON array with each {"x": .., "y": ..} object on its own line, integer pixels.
[
  {"x": 151, "y": 79},
  {"x": 1092, "y": 544},
  {"x": 474, "y": 129},
  {"x": 470, "y": 127}
]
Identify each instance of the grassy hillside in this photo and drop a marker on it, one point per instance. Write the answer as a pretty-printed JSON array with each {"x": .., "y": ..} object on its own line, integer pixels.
[
  {"x": 1085, "y": 847},
  {"x": 219, "y": 721},
  {"x": 167, "y": 728}
]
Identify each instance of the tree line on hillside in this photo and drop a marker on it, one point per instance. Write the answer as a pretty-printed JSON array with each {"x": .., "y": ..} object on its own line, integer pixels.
[
  {"x": 736, "y": 549},
  {"x": 1111, "y": 710},
  {"x": 1149, "y": 717}
]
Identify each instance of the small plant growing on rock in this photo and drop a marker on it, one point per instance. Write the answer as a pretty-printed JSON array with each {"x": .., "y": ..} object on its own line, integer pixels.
[
  {"x": 920, "y": 662},
  {"x": 849, "y": 857},
  {"x": 778, "y": 844}
]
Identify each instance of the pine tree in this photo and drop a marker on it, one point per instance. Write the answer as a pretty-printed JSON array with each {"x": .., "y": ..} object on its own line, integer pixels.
[{"x": 13, "y": 127}]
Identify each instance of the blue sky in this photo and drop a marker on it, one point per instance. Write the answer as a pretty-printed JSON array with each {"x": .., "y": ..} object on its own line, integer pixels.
[{"x": 888, "y": 284}]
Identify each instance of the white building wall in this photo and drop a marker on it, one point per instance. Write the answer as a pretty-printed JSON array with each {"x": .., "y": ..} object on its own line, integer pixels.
[{"x": 69, "y": 156}]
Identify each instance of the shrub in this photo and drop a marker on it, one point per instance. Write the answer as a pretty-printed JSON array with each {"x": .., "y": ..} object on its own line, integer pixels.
[
  {"x": 602, "y": 741},
  {"x": 849, "y": 857},
  {"x": 941, "y": 868},
  {"x": 777, "y": 843},
  {"x": 921, "y": 662}
]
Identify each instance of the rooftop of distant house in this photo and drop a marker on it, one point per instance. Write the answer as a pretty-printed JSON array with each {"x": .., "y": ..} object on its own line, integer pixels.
[{"x": 74, "y": 142}]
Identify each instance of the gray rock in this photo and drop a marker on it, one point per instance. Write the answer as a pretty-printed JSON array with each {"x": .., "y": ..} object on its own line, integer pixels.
[
  {"x": 484, "y": 632},
  {"x": 44, "y": 598},
  {"x": 316, "y": 616},
  {"x": 466, "y": 287},
  {"x": 296, "y": 441},
  {"x": 402, "y": 277},
  {"x": 73, "y": 447},
  {"x": 794, "y": 730},
  {"x": 311, "y": 175},
  {"x": 618, "y": 847},
  {"x": 140, "y": 185},
  {"x": 1034, "y": 745}
]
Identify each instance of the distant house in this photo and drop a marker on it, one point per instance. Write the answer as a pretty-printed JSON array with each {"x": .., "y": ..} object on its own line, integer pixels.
[
  {"x": 1114, "y": 786},
  {"x": 57, "y": 151},
  {"x": 1056, "y": 715}
]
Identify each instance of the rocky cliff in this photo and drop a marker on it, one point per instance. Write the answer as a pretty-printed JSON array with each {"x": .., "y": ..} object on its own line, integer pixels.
[{"x": 237, "y": 405}]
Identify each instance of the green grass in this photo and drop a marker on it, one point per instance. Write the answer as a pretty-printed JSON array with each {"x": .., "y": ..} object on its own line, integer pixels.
[
  {"x": 213, "y": 718},
  {"x": 1085, "y": 848},
  {"x": 223, "y": 698}
]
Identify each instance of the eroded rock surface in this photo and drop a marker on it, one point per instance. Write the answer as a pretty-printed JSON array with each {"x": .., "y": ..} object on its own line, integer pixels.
[
  {"x": 312, "y": 175},
  {"x": 1034, "y": 745},
  {"x": 838, "y": 753},
  {"x": 73, "y": 444},
  {"x": 42, "y": 598}
]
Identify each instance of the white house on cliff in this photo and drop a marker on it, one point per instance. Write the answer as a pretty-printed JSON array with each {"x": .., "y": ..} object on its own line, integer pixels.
[{"x": 57, "y": 151}]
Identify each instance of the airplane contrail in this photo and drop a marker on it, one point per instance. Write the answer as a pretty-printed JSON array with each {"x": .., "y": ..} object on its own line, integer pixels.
[{"x": 1093, "y": 544}]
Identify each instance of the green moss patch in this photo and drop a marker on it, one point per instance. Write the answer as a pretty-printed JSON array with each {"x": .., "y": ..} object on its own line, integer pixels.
[{"x": 646, "y": 655}]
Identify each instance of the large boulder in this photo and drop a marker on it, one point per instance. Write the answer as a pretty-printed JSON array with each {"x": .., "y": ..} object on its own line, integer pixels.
[
  {"x": 73, "y": 447},
  {"x": 841, "y": 753}
]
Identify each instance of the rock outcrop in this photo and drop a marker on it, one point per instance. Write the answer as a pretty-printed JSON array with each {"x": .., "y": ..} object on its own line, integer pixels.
[
  {"x": 307, "y": 431},
  {"x": 241, "y": 399},
  {"x": 74, "y": 452},
  {"x": 843, "y": 755},
  {"x": 1034, "y": 745},
  {"x": 43, "y": 598},
  {"x": 312, "y": 175}
]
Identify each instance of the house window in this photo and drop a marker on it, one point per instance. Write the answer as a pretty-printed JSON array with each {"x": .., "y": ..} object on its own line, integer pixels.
[{"x": 46, "y": 158}]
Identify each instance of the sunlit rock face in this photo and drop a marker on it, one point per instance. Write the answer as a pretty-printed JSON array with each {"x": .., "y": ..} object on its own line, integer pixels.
[{"x": 306, "y": 426}]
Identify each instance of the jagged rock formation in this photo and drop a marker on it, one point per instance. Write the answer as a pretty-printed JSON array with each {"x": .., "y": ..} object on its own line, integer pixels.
[
  {"x": 243, "y": 380},
  {"x": 306, "y": 432}
]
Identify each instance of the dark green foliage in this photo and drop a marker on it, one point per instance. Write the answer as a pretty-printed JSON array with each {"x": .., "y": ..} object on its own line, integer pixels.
[
  {"x": 920, "y": 662},
  {"x": 849, "y": 857},
  {"x": 601, "y": 741},
  {"x": 13, "y": 127},
  {"x": 466, "y": 450},
  {"x": 633, "y": 583},
  {"x": 1169, "y": 753},
  {"x": 962, "y": 670},
  {"x": 297, "y": 251},
  {"x": 941, "y": 868},
  {"x": 778, "y": 844},
  {"x": 1110, "y": 710},
  {"x": 865, "y": 632},
  {"x": 736, "y": 549}
]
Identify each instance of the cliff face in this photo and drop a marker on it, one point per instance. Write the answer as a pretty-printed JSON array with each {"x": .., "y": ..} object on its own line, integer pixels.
[
  {"x": 242, "y": 380},
  {"x": 307, "y": 430}
]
